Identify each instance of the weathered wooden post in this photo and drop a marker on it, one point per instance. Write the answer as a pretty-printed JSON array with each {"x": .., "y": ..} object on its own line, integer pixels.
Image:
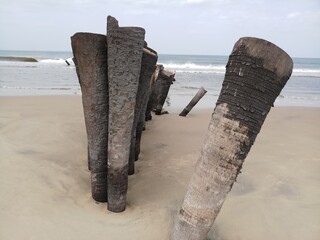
[
  {"x": 90, "y": 57},
  {"x": 148, "y": 65},
  {"x": 201, "y": 92},
  {"x": 151, "y": 98},
  {"x": 256, "y": 72},
  {"x": 160, "y": 89},
  {"x": 125, "y": 48}
]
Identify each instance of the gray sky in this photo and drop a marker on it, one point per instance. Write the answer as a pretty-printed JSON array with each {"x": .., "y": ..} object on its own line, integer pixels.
[{"x": 172, "y": 26}]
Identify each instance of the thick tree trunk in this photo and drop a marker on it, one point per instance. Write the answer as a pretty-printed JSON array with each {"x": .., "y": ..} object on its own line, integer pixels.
[
  {"x": 148, "y": 65},
  {"x": 256, "y": 72},
  {"x": 160, "y": 89},
  {"x": 201, "y": 92},
  {"x": 140, "y": 128},
  {"x": 90, "y": 57},
  {"x": 125, "y": 48},
  {"x": 150, "y": 103}
]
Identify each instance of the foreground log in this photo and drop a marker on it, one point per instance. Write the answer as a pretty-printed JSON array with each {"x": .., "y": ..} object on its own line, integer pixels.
[
  {"x": 90, "y": 57},
  {"x": 148, "y": 65},
  {"x": 125, "y": 48},
  {"x": 201, "y": 92},
  {"x": 160, "y": 89},
  {"x": 256, "y": 72}
]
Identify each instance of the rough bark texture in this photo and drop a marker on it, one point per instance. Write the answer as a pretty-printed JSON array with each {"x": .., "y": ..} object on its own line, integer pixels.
[
  {"x": 125, "y": 48},
  {"x": 149, "y": 105},
  {"x": 160, "y": 89},
  {"x": 148, "y": 65},
  {"x": 201, "y": 92},
  {"x": 90, "y": 57},
  {"x": 256, "y": 72}
]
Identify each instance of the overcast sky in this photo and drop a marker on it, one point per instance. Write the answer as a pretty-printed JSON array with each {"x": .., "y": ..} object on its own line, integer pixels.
[{"x": 172, "y": 26}]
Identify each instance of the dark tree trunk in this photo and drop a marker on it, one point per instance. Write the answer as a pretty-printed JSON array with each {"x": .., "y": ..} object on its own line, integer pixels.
[
  {"x": 148, "y": 65},
  {"x": 125, "y": 48},
  {"x": 88, "y": 151},
  {"x": 151, "y": 99},
  {"x": 193, "y": 102},
  {"x": 160, "y": 89},
  {"x": 90, "y": 57},
  {"x": 256, "y": 72}
]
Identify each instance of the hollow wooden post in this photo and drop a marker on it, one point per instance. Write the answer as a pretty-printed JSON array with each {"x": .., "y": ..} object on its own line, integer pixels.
[
  {"x": 256, "y": 72},
  {"x": 201, "y": 92},
  {"x": 90, "y": 57},
  {"x": 148, "y": 65},
  {"x": 125, "y": 48}
]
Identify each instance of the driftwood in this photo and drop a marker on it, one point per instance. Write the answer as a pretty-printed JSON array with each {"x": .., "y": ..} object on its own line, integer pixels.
[
  {"x": 201, "y": 92},
  {"x": 125, "y": 49},
  {"x": 90, "y": 57},
  {"x": 159, "y": 91},
  {"x": 148, "y": 65},
  {"x": 256, "y": 72}
]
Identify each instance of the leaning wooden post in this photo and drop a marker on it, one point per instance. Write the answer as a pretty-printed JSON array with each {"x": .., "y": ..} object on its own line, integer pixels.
[
  {"x": 148, "y": 65},
  {"x": 160, "y": 89},
  {"x": 201, "y": 92},
  {"x": 256, "y": 72},
  {"x": 90, "y": 57},
  {"x": 151, "y": 98},
  {"x": 143, "y": 118},
  {"x": 125, "y": 48}
]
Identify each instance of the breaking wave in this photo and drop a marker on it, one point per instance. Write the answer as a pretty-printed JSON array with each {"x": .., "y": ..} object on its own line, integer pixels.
[
  {"x": 18, "y": 59},
  {"x": 192, "y": 67},
  {"x": 220, "y": 69}
]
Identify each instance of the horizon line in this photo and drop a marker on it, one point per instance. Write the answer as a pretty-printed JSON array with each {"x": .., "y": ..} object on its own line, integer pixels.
[{"x": 181, "y": 54}]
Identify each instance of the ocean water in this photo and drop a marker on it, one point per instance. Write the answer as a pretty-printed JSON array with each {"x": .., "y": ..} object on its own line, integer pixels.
[{"x": 24, "y": 73}]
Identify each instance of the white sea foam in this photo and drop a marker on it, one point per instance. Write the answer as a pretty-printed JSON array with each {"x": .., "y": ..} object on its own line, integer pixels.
[
  {"x": 56, "y": 61},
  {"x": 306, "y": 72},
  {"x": 194, "y": 68},
  {"x": 220, "y": 69}
]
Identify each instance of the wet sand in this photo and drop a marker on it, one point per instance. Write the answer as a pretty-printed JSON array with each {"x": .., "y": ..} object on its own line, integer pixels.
[{"x": 45, "y": 184}]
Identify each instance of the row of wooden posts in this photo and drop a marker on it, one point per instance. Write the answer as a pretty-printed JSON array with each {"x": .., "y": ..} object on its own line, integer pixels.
[
  {"x": 114, "y": 72},
  {"x": 121, "y": 84}
]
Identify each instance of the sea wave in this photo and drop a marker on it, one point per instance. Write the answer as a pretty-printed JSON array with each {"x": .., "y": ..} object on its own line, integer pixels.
[
  {"x": 18, "y": 59},
  {"x": 40, "y": 88},
  {"x": 53, "y": 61},
  {"x": 305, "y": 72},
  {"x": 193, "y": 67},
  {"x": 57, "y": 61},
  {"x": 220, "y": 69},
  {"x": 184, "y": 67}
]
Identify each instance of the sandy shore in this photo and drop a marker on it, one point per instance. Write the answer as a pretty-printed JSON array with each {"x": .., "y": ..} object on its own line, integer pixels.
[{"x": 45, "y": 184}]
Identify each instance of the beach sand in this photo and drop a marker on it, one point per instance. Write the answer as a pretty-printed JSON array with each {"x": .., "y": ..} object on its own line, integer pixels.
[{"x": 45, "y": 183}]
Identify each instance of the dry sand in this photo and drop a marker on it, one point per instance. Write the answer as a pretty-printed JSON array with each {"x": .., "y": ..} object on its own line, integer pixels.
[{"x": 45, "y": 184}]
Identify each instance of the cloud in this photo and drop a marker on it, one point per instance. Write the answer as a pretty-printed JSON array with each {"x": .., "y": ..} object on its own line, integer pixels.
[
  {"x": 293, "y": 15},
  {"x": 157, "y": 3},
  {"x": 193, "y": 1}
]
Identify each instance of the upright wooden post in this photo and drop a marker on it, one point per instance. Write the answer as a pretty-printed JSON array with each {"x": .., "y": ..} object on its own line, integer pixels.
[
  {"x": 90, "y": 57},
  {"x": 148, "y": 65},
  {"x": 125, "y": 48},
  {"x": 256, "y": 72},
  {"x": 201, "y": 92}
]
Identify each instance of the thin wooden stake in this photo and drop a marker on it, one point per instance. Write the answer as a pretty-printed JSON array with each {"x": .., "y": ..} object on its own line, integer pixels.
[{"x": 201, "y": 92}]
